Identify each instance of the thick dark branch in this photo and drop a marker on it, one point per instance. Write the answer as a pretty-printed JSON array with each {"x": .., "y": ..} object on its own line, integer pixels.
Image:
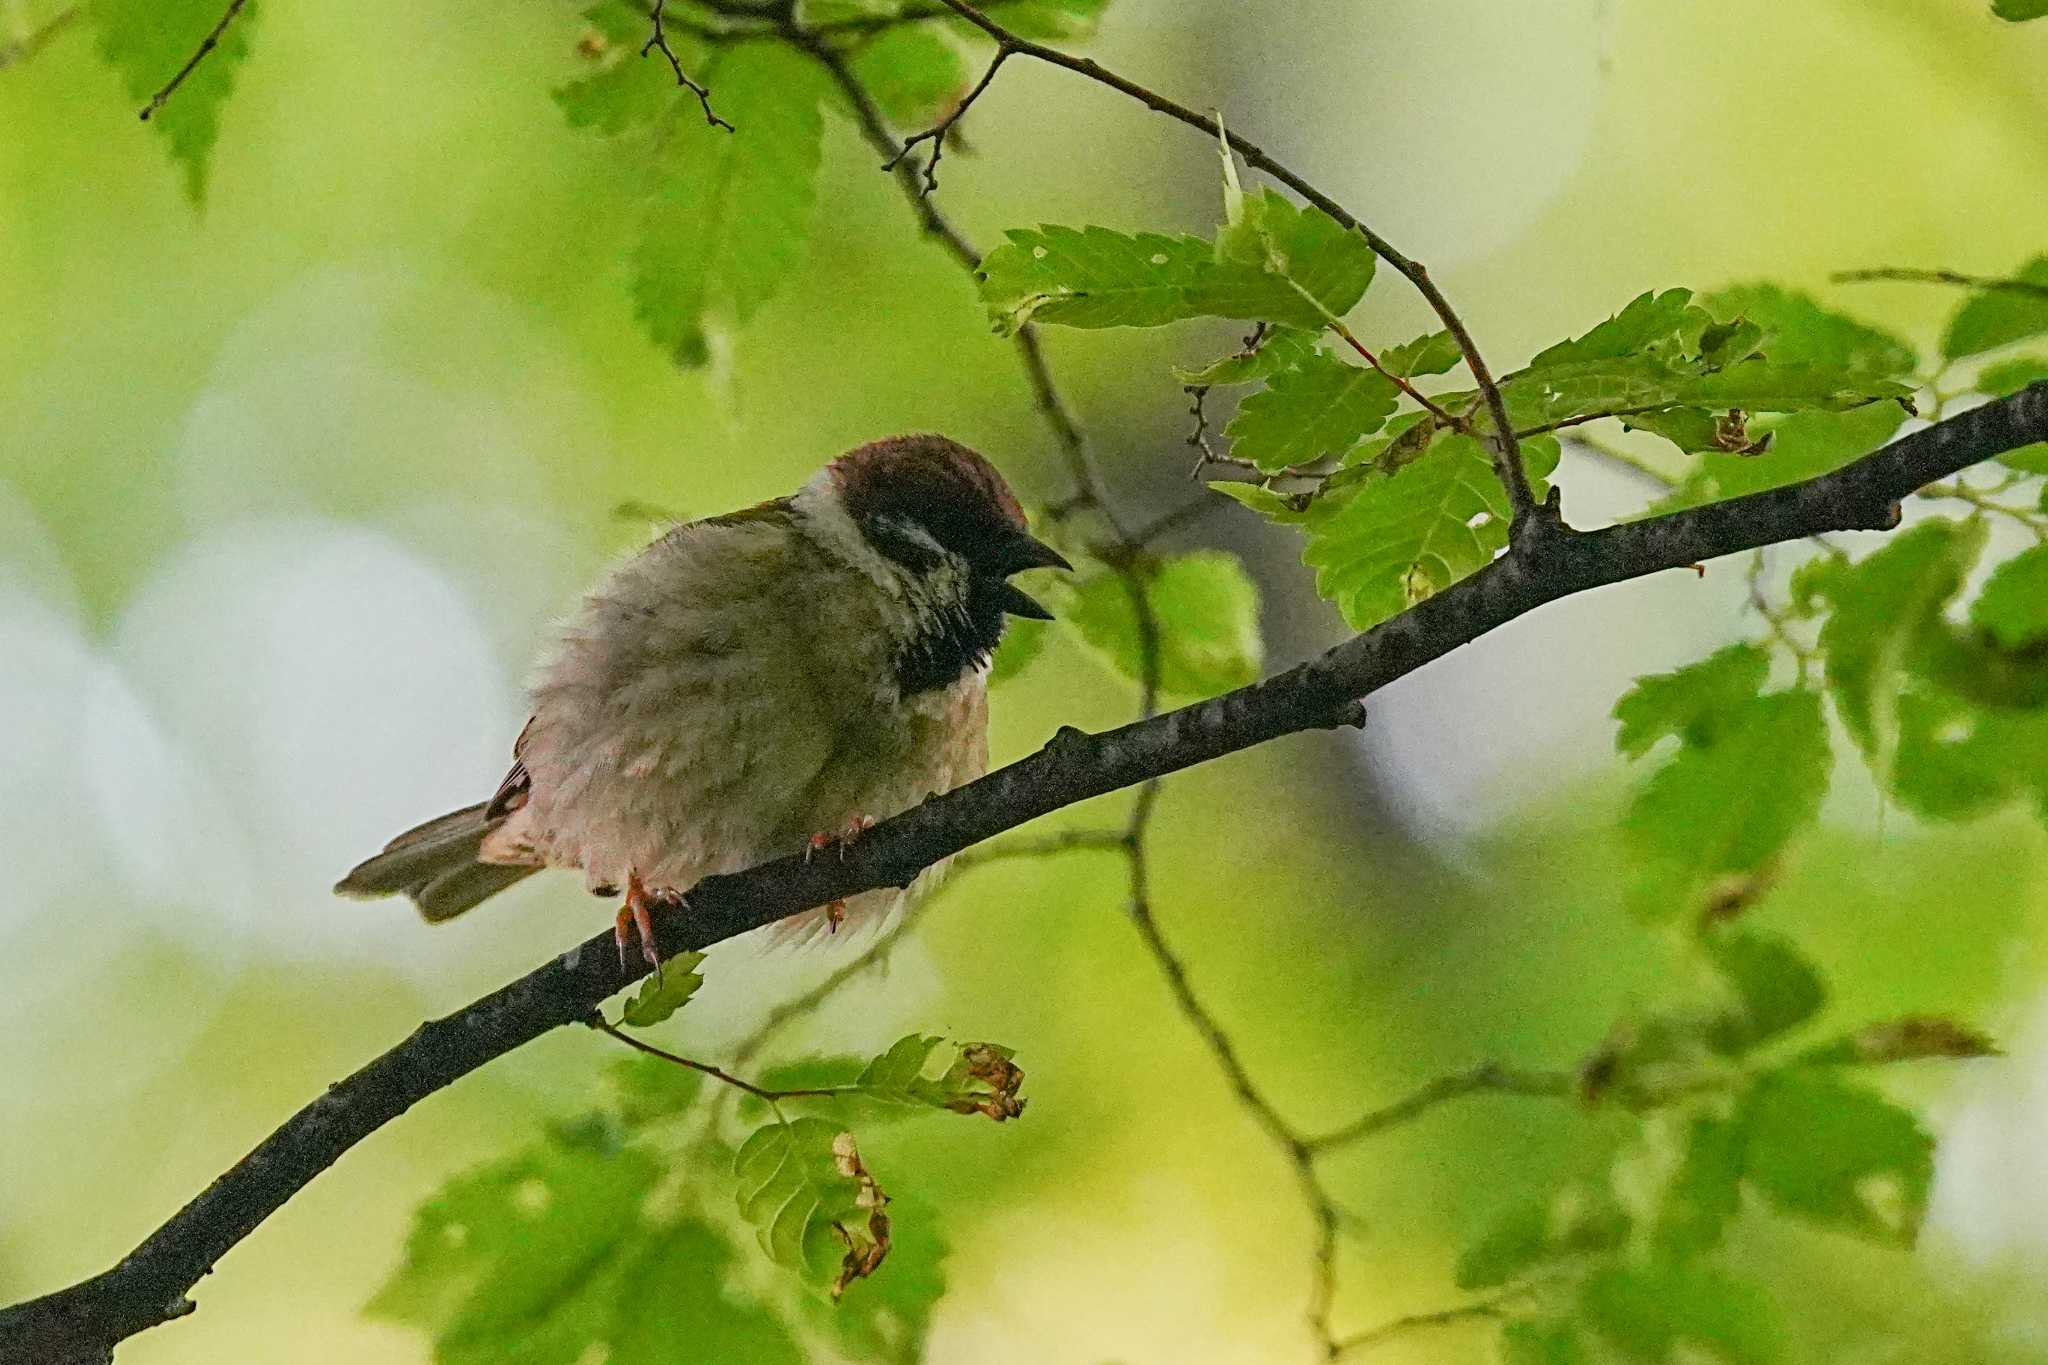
[
  {"x": 149, "y": 1286},
  {"x": 1506, "y": 450}
]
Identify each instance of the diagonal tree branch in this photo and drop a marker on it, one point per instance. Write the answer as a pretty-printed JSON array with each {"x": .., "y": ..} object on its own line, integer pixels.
[{"x": 149, "y": 1285}]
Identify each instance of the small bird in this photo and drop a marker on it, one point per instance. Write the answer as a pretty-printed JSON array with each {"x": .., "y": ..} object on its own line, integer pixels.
[{"x": 749, "y": 686}]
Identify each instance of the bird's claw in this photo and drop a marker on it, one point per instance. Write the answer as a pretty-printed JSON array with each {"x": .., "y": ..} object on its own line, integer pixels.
[
  {"x": 854, "y": 828},
  {"x": 635, "y": 920}
]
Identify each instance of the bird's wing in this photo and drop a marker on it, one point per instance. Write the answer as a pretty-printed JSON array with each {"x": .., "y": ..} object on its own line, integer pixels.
[{"x": 518, "y": 783}]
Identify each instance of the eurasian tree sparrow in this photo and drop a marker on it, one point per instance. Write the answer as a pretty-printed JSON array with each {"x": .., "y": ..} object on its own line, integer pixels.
[{"x": 749, "y": 686}]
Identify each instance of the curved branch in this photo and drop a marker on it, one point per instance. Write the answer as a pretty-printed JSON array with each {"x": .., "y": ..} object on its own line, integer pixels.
[{"x": 149, "y": 1285}]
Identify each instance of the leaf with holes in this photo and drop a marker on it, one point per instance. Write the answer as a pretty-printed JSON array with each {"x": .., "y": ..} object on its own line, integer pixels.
[
  {"x": 1729, "y": 803},
  {"x": 1837, "y": 1154},
  {"x": 806, "y": 1203},
  {"x": 732, "y": 219},
  {"x": 1990, "y": 318},
  {"x": 1319, "y": 407},
  {"x": 1393, "y": 541},
  {"x": 148, "y": 41},
  {"x": 978, "y": 1078},
  {"x": 1207, "y": 611}
]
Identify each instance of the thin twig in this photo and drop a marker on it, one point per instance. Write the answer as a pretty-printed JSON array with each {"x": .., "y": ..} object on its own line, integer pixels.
[
  {"x": 1194, "y": 509},
  {"x": 1506, "y": 450},
  {"x": 1900, "y": 274},
  {"x": 211, "y": 41},
  {"x": 35, "y": 40},
  {"x": 1486, "y": 1078},
  {"x": 1401, "y": 382},
  {"x": 657, "y": 41},
  {"x": 1479, "y": 1310},
  {"x": 1958, "y": 491},
  {"x": 936, "y": 134},
  {"x": 611, "y": 1030}
]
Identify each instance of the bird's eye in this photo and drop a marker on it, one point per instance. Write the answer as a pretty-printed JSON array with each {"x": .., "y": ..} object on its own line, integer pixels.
[{"x": 905, "y": 542}]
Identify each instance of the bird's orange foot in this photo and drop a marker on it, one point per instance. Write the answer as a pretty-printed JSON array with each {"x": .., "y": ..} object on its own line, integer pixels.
[
  {"x": 857, "y": 826},
  {"x": 636, "y": 921}
]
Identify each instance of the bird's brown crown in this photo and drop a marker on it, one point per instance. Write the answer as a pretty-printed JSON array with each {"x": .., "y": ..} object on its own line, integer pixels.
[{"x": 933, "y": 482}]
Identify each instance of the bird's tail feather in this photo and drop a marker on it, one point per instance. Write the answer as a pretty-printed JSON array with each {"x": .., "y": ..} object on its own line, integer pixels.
[{"x": 436, "y": 865}]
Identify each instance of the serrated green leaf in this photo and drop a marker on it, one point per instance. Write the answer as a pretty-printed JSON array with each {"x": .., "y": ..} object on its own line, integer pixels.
[
  {"x": 2008, "y": 377},
  {"x": 1263, "y": 500},
  {"x": 1775, "y": 988},
  {"x": 1688, "y": 701},
  {"x": 664, "y": 991},
  {"x": 1882, "y": 606},
  {"x": 1325, "y": 265},
  {"x": 1659, "y": 1314},
  {"x": 1536, "y": 1233},
  {"x": 792, "y": 1191},
  {"x": 1655, "y": 323},
  {"x": 1533, "y": 1341},
  {"x": 1431, "y": 353},
  {"x": 1092, "y": 277},
  {"x": 1803, "y": 446},
  {"x": 1319, "y": 407},
  {"x": 1956, "y": 761},
  {"x": 1990, "y": 318},
  {"x": 1207, "y": 610},
  {"x": 1837, "y": 1154},
  {"x": 1729, "y": 804},
  {"x": 2012, "y": 606},
  {"x": 148, "y": 41},
  {"x": 916, "y": 74},
  {"x": 1309, "y": 270},
  {"x": 1798, "y": 331},
  {"x": 1277, "y": 349},
  {"x": 732, "y": 219},
  {"x": 676, "y": 1290},
  {"x": 1397, "y": 540}
]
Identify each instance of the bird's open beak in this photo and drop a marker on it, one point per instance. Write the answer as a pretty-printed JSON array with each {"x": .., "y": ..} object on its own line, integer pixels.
[{"x": 1027, "y": 552}]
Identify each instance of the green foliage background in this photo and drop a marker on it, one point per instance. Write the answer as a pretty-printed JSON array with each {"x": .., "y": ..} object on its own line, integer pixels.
[{"x": 407, "y": 287}]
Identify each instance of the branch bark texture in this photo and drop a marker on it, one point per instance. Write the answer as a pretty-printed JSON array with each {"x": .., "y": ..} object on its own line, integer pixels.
[{"x": 149, "y": 1286}]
